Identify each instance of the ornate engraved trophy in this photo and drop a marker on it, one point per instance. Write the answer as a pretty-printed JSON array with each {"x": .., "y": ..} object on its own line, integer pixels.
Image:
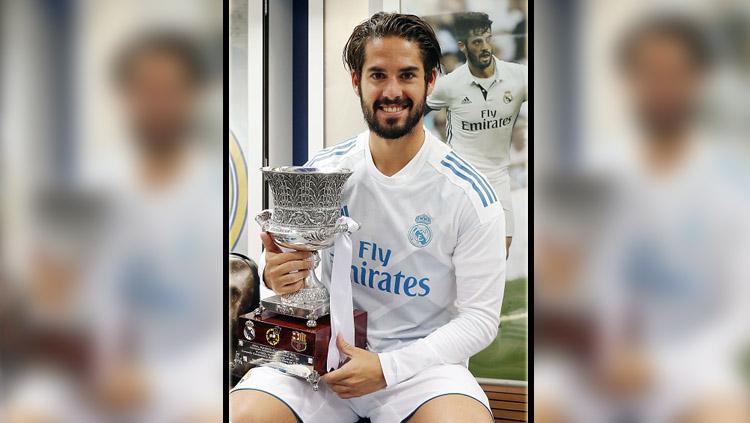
[{"x": 292, "y": 332}]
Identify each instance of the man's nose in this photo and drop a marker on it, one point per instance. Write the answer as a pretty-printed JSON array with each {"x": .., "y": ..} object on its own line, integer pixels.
[{"x": 392, "y": 89}]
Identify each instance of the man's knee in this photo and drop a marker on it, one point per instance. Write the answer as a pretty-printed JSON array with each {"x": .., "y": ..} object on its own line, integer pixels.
[
  {"x": 249, "y": 406},
  {"x": 717, "y": 409},
  {"x": 452, "y": 408}
]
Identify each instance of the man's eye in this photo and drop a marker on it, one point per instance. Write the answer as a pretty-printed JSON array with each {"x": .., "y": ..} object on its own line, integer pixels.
[
  {"x": 378, "y": 75},
  {"x": 407, "y": 75}
]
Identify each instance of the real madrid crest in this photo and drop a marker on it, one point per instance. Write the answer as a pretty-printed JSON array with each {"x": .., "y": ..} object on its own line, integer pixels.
[
  {"x": 249, "y": 331},
  {"x": 420, "y": 233},
  {"x": 273, "y": 335},
  {"x": 507, "y": 97},
  {"x": 299, "y": 341}
]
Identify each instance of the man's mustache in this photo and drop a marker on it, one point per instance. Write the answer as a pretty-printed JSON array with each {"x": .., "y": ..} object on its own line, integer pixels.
[{"x": 395, "y": 102}]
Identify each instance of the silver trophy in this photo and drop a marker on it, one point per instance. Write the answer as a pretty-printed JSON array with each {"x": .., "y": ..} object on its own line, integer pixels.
[{"x": 307, "y": 206}]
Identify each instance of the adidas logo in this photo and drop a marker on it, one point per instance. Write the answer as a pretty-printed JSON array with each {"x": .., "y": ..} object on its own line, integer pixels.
[{"x": 466, "y": 101}]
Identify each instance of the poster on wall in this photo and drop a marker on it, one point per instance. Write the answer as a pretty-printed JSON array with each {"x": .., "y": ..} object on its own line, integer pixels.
[{"x": 479, "y": 107}]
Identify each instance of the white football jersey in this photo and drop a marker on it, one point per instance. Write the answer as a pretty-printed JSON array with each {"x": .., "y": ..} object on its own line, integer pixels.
[
  {"x": 425, "y": 263},
  {"x": 480, "y": 119}
]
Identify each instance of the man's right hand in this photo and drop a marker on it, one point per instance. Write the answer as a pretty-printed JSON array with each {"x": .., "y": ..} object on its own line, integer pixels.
[{"x": 285, "y": 272}]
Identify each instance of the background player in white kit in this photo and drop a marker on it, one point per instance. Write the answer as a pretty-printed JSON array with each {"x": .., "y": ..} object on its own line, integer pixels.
[
  {"x": 421, "y": 265},
  {"x": 483, "y": 98}
]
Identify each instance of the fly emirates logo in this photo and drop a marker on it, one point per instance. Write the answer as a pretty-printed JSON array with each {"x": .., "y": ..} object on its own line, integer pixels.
[{"x": 373, "y": 255}]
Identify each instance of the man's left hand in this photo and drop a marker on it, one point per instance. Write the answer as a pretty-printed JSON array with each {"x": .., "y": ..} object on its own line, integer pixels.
[{"x": 359, "y": 376}]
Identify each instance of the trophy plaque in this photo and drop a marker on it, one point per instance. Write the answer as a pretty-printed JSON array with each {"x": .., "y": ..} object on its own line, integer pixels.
[{"x": 292, "y": 332}]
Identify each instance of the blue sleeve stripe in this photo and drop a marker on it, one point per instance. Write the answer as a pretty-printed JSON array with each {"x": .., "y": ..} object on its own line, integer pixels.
[
  {"x": 470, "y": 170},
  {"x": 467, "y": 179},
  {"x": 329, "y": 152},
  {"x": 337, "y": 153}
]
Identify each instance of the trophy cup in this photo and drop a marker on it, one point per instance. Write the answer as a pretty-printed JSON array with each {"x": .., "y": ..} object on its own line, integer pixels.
[{"x": 292, "y": 332}]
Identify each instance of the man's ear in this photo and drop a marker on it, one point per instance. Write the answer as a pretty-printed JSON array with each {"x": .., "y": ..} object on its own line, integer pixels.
[
  {"x": 462, "y": 47},
  {"x": 431, "y": 82},
  {"x": 355, "y": 83}
]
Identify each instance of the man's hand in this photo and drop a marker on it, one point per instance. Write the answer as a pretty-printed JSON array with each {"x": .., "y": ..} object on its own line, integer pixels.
[
  {"x": 361, "y": 375},
  {"x": 285, "y": 272},
  {"x": 629, "y": 373}
]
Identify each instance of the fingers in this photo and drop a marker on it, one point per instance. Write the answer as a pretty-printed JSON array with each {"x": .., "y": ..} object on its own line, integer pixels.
[
  {"x": 344, "y": 391},
  {"x": 286, "y": 269},
  {"x": 280, "y": 258},
  {"x": 293, "y": 266},
  {"x": 268, "y": 243},
  {"x": 346, "y": 388},
  {"x": 344, "y": 346},
  {"x": 338, "y": 376},
  {"x": 292, "y": 282}
]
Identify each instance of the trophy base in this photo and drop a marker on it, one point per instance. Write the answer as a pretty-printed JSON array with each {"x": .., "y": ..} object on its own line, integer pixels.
[
  {"x": 287, "y": 344},
  {"x": 311, "y": 311}
]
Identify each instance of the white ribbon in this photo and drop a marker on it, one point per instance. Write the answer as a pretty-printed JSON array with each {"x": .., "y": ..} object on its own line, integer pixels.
[{"x": 342, "y": 311}]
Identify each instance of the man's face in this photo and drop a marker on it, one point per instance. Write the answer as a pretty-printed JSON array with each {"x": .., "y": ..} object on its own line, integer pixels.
[
  {"x": 664, "y": 83},
  {"x": 478, "y": 48},
  {"x": 159, "y": 98},
  {"x": 392, "y": 90}
]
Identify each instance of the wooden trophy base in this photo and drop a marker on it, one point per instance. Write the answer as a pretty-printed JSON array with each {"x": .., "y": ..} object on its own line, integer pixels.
[{"x": 275, "y": 338}]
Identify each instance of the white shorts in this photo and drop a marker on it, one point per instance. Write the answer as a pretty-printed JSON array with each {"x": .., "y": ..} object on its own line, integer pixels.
[
  {"x": 502, "y": 189},
  {"x": 393, "y": 404}
]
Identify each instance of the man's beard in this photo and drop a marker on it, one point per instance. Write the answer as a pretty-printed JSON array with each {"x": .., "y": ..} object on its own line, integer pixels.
[
  {"x": 390, "y": 130},
  {"x": 476, "y": 61}
]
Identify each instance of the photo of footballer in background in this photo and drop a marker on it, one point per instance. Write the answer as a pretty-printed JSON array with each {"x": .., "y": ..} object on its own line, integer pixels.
[{"x": 481, "y": 98}]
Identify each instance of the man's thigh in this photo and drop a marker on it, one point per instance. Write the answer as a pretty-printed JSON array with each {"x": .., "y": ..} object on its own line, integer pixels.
[
  {"x": 247, "y": 406},
  {"x": 403, "y": 400},
  {"x": 264, "y": 387},
  {"x": 452, "y": 408}
]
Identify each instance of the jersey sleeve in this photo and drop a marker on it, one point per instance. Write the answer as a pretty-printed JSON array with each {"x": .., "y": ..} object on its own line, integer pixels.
[
  {"x": 440, "y": 97},
  {"x": 479, "y": 260}
]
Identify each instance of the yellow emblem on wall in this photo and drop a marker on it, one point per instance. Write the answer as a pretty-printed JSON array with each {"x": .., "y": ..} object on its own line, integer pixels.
[{"x": 237, "y": 191}]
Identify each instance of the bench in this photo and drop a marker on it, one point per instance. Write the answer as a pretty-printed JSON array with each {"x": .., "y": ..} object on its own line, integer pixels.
[{"x": 508, "y": 399}]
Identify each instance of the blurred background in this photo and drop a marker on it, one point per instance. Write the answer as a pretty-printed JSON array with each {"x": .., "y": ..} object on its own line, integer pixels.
[
  {"x": 642, "y": 294},
  {"x": 111, "y": 210}
]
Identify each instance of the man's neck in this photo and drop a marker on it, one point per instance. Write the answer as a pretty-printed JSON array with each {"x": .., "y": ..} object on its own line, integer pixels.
[
  {"x": 666, "y": 152},
  {"x": 158, "y": 170},
  {"x": 391, "y": 155},
  {"x": 487, "y": 72}
]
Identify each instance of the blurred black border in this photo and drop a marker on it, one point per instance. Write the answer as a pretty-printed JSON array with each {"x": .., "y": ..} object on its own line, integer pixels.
[
  {"x": 225, "y": 208},
  {"x": 530, "y": 210}
]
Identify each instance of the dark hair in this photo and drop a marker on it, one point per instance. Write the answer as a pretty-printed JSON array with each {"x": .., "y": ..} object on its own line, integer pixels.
[
  {"x": 174, "y": 44},
  {"x": 678, "y": 28},
  {"x": 409, "y": 27},
  {"x": 469, "y": 22}
]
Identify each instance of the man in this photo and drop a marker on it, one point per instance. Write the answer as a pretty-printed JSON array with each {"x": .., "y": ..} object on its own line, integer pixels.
[
  {"x": 483, "y": 98},
  {"x": 667, "y": 283},
  {"x": 421, "y": 266},
  {"x": 158, "y": 304}
]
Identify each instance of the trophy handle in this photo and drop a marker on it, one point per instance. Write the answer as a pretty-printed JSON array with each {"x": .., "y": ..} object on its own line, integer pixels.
[
  {"x": 324, "y": 233},
  {"x": 264, "y": 219},
  {"x": 348, "y": 225}
]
